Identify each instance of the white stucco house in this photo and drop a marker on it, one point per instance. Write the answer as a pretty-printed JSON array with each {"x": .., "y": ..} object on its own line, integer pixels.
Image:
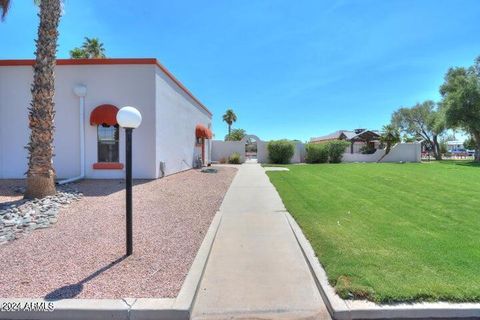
[{"x": 174, "y": 135}]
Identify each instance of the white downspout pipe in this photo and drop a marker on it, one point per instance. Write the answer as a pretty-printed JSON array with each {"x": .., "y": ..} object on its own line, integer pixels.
[{"x": 80, "y": 91}]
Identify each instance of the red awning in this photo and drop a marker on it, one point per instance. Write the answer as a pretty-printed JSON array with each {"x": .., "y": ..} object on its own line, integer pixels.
[
  {"x": 203, "y": 132},
  {"x": 106, "y": 113}
]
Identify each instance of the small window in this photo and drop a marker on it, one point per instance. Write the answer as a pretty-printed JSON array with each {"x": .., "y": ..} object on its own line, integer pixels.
[{"x": 108, "y": 137}]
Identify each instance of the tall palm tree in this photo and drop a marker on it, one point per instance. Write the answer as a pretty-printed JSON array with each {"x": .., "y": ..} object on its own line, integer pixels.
[
  {"x": 41, "y": 174},
  {"x": 93, "y": 48},
  {"x": 229, "y": 117}
]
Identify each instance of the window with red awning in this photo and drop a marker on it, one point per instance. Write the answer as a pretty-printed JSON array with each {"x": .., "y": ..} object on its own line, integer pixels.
[
  {"x": 104, "y": 114},
  {"x": 203, "y": 132}
]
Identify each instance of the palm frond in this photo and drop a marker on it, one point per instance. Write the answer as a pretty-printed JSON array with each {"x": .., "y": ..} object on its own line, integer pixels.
[{"x": 4, "y": 6}]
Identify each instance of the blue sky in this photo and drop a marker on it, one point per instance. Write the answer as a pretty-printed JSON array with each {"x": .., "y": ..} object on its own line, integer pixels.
[{"x": 288, "y": 69}]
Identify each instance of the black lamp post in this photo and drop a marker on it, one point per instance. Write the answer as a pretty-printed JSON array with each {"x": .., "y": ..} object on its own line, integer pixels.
[{"x": 129, "y": 118}]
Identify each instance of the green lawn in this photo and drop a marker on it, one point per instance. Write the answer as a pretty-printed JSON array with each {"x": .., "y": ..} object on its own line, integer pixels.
[{"x": 391, "y": 232}]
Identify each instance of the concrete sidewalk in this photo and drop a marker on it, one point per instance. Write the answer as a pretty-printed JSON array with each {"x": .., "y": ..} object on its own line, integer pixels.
[{"x": 256, "y": 269}]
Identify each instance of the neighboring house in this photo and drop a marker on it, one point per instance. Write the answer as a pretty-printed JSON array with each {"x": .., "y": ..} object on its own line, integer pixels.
[
  {"x": 455, "y": 146},
  {"x": 174, "y": 134},
  {"x": 358, "y": 138}
]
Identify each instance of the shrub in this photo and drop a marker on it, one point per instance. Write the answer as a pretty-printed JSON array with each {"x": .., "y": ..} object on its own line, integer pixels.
[
  {"x": 316, "y": 153},
  {"x": 280, "y": 151},
  {"x": 234, "y": 158},
  {"x": 336, "y": 149},
  {"x": 366, "y": 149},
  {"x": 223, "y": 160}
]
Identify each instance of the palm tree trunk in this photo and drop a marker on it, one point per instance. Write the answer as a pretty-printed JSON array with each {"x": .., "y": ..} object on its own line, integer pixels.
[
  {"x": 41, "y": 174},
  {"x": 229, "y": 130}
]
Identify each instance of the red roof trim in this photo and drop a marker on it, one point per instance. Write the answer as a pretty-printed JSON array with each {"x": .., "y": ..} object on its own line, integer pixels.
[
  {"x": 109, "y": 61},
  {"x": 106, "y": 113}
]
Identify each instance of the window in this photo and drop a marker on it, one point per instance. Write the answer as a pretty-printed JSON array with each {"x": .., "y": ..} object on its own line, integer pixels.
[{"x": 108, "y": 143}]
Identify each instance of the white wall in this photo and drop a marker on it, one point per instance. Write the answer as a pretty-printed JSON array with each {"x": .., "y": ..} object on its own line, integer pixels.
[
  {"x": 167, "y": 132},
  {"x": 177, "y": 115},
  {"x": 358, "y": 157},
  {"x": 262, "y": 152},
  {"x": 223, "y": 149},
  {"x": 119, "y": 85},
  {"x": 299, "y": 155},
  {"x": 14, "y": 100},
  {"x": 405, "y": 152}
]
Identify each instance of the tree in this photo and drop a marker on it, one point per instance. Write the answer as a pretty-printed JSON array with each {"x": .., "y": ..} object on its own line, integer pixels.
[
  {"x": 389, "y": 136},
  {"x": 78, "y": 53},
  {"x": 470, "y": 144},
  {"x": 461, "y": 98},
  {"x": 235, "y": 135},
  {"x": 92, "y": 48},
  {"x": 424, "y": 120},
  {"x": 40, "y": 173},
  {"x": 229, "y": 117}
]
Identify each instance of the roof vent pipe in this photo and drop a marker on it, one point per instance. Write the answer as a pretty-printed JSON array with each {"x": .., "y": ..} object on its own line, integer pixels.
[{"x": 80, "y": 91}]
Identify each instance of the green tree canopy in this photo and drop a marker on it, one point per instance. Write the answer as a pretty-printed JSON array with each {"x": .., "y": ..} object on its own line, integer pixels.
[
  {"x": 470, "y": 144},
  {"x": 92, "y": 48},
  {"x": 78, "y": 53},
  {"x": 425, "y": 120},
  {"x": 235, "y": 135},
  {"x": 461, "y": 98}
]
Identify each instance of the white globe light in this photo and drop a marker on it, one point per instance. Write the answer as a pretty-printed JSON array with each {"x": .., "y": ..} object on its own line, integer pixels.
[{"x": 129, "y": 117}]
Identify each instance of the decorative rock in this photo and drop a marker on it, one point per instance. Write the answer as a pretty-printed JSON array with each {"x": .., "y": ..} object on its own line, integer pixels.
[{"x": 25, "y": 215}]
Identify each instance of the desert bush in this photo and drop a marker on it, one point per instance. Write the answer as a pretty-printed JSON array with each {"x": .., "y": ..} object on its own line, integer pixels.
[
  {"x": 234, "y": 158},
  {"x": 316, "y": 153},
  {"x": 223, "y": 160},
  {"x": 336, "y": 149},
  {"x": 280, "y": 151}
]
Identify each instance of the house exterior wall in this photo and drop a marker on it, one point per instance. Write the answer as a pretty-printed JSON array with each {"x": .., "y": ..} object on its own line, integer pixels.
[
  {"x": 119, "y": 85},
  {"x": 14, "y": 100},
  {"x": 177, "y": 115},
  {"x": 167, "y": 132}
]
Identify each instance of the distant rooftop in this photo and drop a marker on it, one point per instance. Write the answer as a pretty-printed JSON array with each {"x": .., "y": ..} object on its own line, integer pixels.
[{"x": 349, "y": 134}]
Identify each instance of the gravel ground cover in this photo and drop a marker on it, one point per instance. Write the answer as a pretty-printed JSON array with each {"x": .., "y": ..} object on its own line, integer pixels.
[{"x": 82, "y": 255}]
